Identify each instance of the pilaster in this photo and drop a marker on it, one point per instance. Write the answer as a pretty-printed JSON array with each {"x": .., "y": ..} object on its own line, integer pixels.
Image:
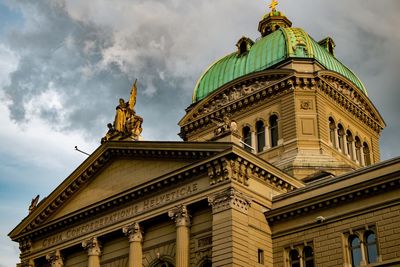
[{"x": 230, "y": 228}]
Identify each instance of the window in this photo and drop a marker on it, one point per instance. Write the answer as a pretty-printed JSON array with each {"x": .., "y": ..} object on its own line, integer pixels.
[
  {"x": 301, "y": 255},
  {"x": 273, "y": 126},
  {"x": 260, "y": 256},
  {"x": 308, "y": 256},
  {"x": 367, "y": 157},
  {"x": 294, "y": 258},
  {"x": 370, "y": 243},
  {"x": 332, "y": 129},
  {"x": 340, "y": 132},
  {"x": 260, "y": 129},
  {"x": 362, "y": 247},
  {"x": 355, "y": 250},
  {"x": 247, "y": 138}
]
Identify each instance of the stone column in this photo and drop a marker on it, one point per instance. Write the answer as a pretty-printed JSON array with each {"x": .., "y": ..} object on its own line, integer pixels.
[
  {"x": 55, "y": 259},
  {"x": 267, "y": 138},
  {"x": 182, "y": 219},
  {"x": 362, "y": 160},
  {"x": 353, "y": 149},
  {"x": 93, "y": 248},
  {"x": 346, "y": 150},
  {"x": 134, "y": 233},
  {"x": 336, "y": 142},
  {"x": 254, "y": 142}
]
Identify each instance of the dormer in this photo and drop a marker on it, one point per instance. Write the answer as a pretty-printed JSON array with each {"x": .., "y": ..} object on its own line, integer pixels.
[{"x": 244, "y": 44}]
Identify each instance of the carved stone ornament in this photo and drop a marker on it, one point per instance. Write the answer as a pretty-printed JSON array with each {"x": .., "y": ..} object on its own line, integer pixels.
[
  {"x": 134, "y": 232},
  {"x": 92, "y": 246},
  {"x": 230, "y": 199},
  {"x": 224, "y": 125},
  {"x": 306, "y": 104},
  {"x": 27, "y": 263},
  {"x": 180, "y": 215},
  {"x": 55, "y": 259},
  {"x": 127, "y": 125},
  {"x": 25, "y": 245}
]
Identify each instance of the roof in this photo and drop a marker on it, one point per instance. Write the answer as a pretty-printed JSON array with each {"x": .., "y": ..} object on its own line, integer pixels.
[{"x": 265, "y": 53}]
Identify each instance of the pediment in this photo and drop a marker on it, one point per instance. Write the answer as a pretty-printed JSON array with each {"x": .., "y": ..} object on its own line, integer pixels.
[
  {"x": 352, "y": 98},
  {"x": 234, "y": 96},
  {"x": 113, "y": 168}
]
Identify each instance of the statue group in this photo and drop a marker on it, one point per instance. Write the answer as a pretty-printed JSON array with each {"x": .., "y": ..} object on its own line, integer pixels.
[{"x": 127, "y": 125}]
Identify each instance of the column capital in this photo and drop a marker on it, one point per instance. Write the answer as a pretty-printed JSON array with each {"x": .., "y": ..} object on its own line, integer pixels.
[
  {"x": 92, "y": 245},
  {"x": 55, "y": 259},
  {"x": 26, "y": 263},
  {"x": 134, "y": 232},
  {"x": 180, "y": 215},
  {"x": 229, "y": 199}
]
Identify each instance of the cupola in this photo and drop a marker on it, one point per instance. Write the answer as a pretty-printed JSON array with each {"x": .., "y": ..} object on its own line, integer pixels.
[{"x": 273, "y": 20}]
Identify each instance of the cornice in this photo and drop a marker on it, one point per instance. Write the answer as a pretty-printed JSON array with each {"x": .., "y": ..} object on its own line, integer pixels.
[
  {"x": 99, "y": 158},
  {"x": 378, "y": 185},
  {"x": 347, "y": 97},
  {"x": 250, "y": 167},
  {"x": 235, "y": 97}
]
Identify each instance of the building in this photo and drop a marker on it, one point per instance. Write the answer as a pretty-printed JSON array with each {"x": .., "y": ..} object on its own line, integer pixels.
[{"x": 279, "y": 167}]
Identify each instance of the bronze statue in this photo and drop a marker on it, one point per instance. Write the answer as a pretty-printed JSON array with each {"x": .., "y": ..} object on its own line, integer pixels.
[{"x": 127, "y": 125}]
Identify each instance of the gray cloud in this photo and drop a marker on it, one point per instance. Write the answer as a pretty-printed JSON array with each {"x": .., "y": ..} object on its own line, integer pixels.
[{"x": 86, "y": 53}]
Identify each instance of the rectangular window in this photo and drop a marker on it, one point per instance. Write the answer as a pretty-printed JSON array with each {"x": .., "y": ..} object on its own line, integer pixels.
[{"x": 260, "y": 256}]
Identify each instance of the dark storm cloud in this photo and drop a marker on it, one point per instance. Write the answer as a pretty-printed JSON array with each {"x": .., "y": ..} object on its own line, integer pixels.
[{"x": 89, "y": 52}]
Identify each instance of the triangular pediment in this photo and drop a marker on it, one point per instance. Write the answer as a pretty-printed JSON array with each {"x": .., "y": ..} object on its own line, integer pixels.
[{"x": 113, "y": 168}]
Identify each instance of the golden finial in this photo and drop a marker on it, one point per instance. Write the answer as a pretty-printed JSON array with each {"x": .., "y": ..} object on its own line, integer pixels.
[{"x": 273, "y": 5}]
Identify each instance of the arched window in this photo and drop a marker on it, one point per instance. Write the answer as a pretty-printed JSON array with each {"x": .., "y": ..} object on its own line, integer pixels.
[
  {"x": 355, "y": 250},
  {"x": 260, "y": 129},
  {"x": 294, "y": 258},
  {"x": 273, "y": 127},
  {"x": 247, "y": 138},
  {"x": 370, "y": 243},
  {"x": 308, "y": 255},
  {"x": 332, "y": 129},
  {"x": 367, "y": 156},
  {"x": 340, "y": 132},
  {"x": 349, "y": 143},
  {"x": 358, "y": 148},
  {"x": 242, "y": 48}
]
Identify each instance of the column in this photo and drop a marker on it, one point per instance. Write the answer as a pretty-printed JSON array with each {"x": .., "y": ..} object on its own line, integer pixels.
[
  {"x": 134, "y": 233},
  {"x": 353, "y": 149},
  {"x": 254, "y": 143},
  {"x": 181, "y": 217},
  {"x": 267, "y": 138},
  {"x": 337, "y": 143},
  {"x": 55, "y": 259},
  {"x": 93, "y": 248},
  {"x": 346, "y": 151},
  {"x": 362, "y": 160},
  {"x": 230, "y": 238}
]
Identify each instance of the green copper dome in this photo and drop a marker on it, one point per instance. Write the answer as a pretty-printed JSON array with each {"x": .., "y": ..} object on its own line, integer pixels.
[{"x": 265, "y": 53}]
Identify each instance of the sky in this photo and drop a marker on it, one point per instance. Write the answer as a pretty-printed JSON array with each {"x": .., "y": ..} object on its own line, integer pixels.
[{"x": 65, "y": 63}]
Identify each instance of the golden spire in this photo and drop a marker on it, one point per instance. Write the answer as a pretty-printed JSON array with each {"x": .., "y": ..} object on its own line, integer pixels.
[{"x": 273, "y": 5}]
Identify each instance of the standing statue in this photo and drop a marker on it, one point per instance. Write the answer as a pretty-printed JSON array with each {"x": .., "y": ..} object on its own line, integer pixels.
[{"x": 127, "y": 125}]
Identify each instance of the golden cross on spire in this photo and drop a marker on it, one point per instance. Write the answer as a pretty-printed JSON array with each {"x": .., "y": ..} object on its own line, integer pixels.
[{"x": 273, "y": 5}]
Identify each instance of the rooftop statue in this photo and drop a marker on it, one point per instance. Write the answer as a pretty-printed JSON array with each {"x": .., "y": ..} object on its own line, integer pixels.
[{"x": 127, "y": 125}]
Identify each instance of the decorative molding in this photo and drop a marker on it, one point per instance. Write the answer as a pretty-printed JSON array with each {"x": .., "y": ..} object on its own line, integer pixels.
[
  {"x": 306, "y": 105},
  {"x": 26, "y": 263},
  {"x": 324, "y": 202},
  {"x": 93, "y": 247},
  {"x": 25, "y": 245},
  {"x": 236, "y": 98},
  {"x": 180, "y": 215},
  {"x": 134, "y": 232},
  {"x": 230, "y": 199},
  {"x": 55, "y": 259}
]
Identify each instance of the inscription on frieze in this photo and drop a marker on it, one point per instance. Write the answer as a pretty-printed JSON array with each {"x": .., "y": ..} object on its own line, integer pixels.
[{"x": 122, "y": 214}]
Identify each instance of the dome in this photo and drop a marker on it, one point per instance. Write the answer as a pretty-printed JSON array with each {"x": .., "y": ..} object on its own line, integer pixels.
[{"x": 265, "y": 53}]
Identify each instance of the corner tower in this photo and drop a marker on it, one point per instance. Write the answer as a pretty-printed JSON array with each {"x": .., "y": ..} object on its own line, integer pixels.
[{"x": 286, "y": 98}]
